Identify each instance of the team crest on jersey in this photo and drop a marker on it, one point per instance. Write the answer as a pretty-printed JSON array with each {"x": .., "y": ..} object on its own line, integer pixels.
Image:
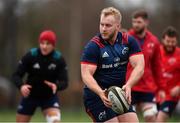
[
  {"x": 150, "y": 45},
  {"x": 36, "y": 66},
  {"x": 171, "y": 61},
  {"x": 166, "y": 109},
  {"x": 52, "y": 66},
  {"x": 125, "y": 50},
  {"x": 102, "y": 115}
]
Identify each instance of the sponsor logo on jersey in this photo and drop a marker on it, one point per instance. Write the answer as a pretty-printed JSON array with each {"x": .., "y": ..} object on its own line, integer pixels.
[
  {"x": 115, "y": 65},
  {"x": 105, "y": 54},
  {"x": 36, "y": 66},
  {"x": 117, "y": 59}
]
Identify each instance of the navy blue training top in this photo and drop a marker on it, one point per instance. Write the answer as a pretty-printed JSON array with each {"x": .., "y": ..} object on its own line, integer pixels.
[{"x": 111, "y": 60}]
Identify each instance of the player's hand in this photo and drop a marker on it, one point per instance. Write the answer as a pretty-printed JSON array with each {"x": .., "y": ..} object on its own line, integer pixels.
[
  {"x": 161, "y": 96},
  {"x": 51, "y": 85},
  {"x": 175, "y": 92},
  {"x": 106, "y": 101},
  {"x": 127, "y": 90},
  {"x": 25, "y": 90}
]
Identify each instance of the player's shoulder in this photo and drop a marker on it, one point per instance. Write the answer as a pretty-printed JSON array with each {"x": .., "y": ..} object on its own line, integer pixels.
[
  {"x": 177, "y": 52},
  {"x": 33, "y": 52},
  {"x": 178, "y": 49},
  {"x": 96, "y": 41},
  {"x": 57, "y": 55},
  {"x": 152, "y": 37},
  {"x": 130, "y": 38}
]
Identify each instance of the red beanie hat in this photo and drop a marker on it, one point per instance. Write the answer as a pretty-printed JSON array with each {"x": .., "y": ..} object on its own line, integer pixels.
[{"x": 49, "y": 36}]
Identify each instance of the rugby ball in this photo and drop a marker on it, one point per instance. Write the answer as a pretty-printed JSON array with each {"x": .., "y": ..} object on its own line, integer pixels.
[{"x": 119, "y": 102}]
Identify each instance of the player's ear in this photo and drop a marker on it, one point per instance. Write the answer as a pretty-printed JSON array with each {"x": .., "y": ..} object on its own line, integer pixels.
[
  {"x": 147, "y": 22},
  {"x": 118, "y": 27}
]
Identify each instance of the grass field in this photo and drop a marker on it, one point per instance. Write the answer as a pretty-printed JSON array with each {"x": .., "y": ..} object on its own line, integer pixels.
[{"x": 7, "y": 115}]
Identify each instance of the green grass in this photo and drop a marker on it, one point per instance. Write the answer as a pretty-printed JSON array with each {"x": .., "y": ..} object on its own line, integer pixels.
[
  {"x": 174, "y": 118},
  {"x": 67, "y": 115}
]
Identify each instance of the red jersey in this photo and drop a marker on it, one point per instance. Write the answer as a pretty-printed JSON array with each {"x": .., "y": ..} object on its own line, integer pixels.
[
  {"x": 170, "y": 71},
  {"x": 151, "y": 49}
]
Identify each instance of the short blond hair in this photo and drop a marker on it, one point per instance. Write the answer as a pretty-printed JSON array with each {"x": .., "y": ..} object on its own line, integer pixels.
[{"x": 112, "y": 11}]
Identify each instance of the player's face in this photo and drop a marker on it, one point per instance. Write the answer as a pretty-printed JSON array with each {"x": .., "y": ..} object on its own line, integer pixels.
[
  {"x": 169, "y": 43},
  {"x": 108, "y": 27},
  {"x": 139, "y": 25},
  {"x": 46, "y": 47}
]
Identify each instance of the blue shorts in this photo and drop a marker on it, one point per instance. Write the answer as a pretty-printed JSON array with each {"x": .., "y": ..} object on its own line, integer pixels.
[
  {"x": 96, "y": 109},
  {"x": 139, "y": 97},
  {"x": 28, "y": 105},
  {"x": 167, "y": 107}
]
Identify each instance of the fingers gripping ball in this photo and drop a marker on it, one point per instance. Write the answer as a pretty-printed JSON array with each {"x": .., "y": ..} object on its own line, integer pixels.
[{"x": 119, "y": 102}]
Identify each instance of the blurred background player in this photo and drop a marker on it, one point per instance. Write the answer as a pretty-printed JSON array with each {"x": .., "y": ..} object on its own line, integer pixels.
[
  {"x": 170, "y": 74},
  {"x": 104, "y": 63},
  {"x": 143, "y": 93},
  {"x": 46, "y": 74}
]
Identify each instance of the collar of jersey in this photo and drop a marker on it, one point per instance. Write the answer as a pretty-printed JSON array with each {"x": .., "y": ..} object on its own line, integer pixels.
[{"x": 118, "y": 39}]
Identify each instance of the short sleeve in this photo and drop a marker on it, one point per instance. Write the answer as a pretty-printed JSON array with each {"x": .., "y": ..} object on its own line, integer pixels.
[
  {"x": 90, "y": 54},
  {"x": 134, "y": 46}
]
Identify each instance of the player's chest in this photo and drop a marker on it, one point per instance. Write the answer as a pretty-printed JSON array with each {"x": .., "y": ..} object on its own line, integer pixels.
[
  {"x": 148, "y": 48},
  {"x": 170, "y": 62},
  {"x": 114, "y": 54},
  {"x": 43, "y": 66},
  {"x": 170, "y": 67}
]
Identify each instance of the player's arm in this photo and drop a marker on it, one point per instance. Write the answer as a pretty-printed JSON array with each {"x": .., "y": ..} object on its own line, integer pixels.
[
  {"x": 175, "y": 91},
  {"x": 62, "y": 82},
  {"x": 136, "y": 60},
  {"x": 19, "y": 74},
  {"x": 157, "y": 67},
  {"x": 20, "y": 71},
  {"x": 89, "y": 61},
  {"x": 87, "y": 72}
]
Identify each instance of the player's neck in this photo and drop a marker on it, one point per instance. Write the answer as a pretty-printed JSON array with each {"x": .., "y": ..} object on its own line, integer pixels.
[
  {"x": 113, "y": 39},
  {"x": 142, "y": 35}
]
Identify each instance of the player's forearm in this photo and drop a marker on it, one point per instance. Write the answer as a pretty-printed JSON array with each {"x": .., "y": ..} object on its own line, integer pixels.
[
  {"x": 91, "y": 83},
  {"x": 62, "y": 82},
  {"x": 17, "y": 81},
  {"x": 136, "y": 74},
  {"x": 62, "y": 85}
]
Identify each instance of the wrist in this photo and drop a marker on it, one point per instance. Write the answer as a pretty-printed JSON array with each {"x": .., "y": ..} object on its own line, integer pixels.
[
  {"x": 128, "y": 84},
  {"x": 100, "y": 92}
]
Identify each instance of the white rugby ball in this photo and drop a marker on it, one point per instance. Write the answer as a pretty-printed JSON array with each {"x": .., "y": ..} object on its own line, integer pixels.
[{"x": 119, "y": 102}]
